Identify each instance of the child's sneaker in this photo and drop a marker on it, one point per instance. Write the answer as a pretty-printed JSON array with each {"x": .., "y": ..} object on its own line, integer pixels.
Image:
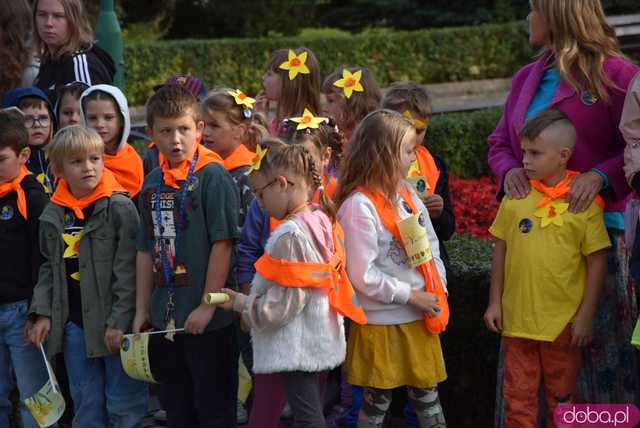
[
  {"x": 241, "y": 413},
  {"x": 287, "y": 413}
]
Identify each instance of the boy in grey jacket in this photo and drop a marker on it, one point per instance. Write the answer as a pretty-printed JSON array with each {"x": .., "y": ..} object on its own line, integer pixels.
[{"x": 85, "y": 297}]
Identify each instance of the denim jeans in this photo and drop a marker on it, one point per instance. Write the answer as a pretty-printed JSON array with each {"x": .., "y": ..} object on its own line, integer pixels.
[
  {"x": 103, "y": 395},
  {"x": 25, "y": 359}
]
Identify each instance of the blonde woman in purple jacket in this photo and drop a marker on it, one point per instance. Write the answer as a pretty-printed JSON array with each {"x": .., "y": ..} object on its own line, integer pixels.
[{"x": 581, "y": 72}]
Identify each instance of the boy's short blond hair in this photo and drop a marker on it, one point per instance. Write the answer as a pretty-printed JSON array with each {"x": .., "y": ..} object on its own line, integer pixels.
[
  {"x": 411, "y": 96},
  {"x": 71, "y": 141},
  {"x": 171, "y": 101}
]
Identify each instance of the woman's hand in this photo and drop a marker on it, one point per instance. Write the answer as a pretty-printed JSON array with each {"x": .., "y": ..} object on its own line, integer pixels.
[
  {"x": 516, "y": 184},
  {"x": 584, "y": 189}
]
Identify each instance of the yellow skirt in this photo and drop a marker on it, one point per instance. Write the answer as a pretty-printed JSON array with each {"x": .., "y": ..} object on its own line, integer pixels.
[{"x": 389, "y": 356}]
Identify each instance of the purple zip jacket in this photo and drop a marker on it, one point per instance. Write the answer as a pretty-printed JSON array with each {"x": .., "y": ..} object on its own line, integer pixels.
[{"x": 599, "y": 145}]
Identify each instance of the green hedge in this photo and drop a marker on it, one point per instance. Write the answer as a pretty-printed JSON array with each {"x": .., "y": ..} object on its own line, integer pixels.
[
  {"x": 461, "y": 139},
  {"x": 427, "y": 56},
  {"x": 470, "y": 350}
]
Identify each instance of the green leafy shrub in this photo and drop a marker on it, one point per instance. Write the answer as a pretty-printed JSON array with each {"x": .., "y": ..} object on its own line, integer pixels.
[
  {"x": 427, "y": 56},
  {"x": 470, "y": 350},
  {"x": 461, "y": 139}
]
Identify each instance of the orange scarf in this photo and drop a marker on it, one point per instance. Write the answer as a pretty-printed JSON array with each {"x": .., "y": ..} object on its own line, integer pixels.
[
  {"x": 126, "y": 164},
  {"x": 331, "y": 276},
  {"x": 330, "y": 186},
  {"x": 240, "y": 157},
  {"x": 428, "y": 168},
  {"x": 105, "y": 188},
  {"x": 433, "y": 284},
  {"x": 179, "y": 173},
  {"x": 560, "y": 190},
  {"x": 14, "y": 186}
]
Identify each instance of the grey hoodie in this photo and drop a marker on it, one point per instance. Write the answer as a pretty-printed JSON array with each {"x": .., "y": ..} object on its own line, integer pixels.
[{"x": 123, "y": 107}]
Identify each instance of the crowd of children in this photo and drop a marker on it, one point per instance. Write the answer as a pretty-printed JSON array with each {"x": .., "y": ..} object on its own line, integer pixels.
[{"x": 324, "y": 227}]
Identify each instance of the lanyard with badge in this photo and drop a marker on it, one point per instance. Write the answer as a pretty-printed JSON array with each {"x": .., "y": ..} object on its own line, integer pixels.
[{"x": 168, "y": 268}]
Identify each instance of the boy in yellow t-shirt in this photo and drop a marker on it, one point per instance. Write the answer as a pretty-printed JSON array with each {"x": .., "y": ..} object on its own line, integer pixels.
[{"x": 548, "y": 269}]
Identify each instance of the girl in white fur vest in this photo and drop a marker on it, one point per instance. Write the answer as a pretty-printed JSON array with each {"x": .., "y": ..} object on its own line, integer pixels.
[{"x": 301, "y": 289}]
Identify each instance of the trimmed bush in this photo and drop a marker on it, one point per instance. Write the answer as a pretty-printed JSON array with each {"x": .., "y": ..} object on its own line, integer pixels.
[
  {"x": 461, "y": 139},
  {"x": 427, "y": 56},
  {"x": 470, "y": 350}
]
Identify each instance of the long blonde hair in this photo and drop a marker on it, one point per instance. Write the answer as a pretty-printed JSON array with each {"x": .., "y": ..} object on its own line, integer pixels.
[
  {"x": 372, "y": 159},
  {"x": 581, "y": 40},
  {"x": 80, "y": 31},
  {"x": 301, "y": 92}
]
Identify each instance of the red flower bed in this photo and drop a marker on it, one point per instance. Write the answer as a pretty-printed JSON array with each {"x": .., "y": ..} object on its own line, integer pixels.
[{"x": 474, "y": 204}]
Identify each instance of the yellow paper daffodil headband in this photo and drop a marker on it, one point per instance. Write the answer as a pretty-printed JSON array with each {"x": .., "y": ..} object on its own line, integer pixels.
[
  {"x": 350, "y": 83},
  {"x": 308, "y": 120},
  {"x": 256, "y": 162},
  {"x": 418, "y": 123},
  {"x": 295, "y": 64},
  {"x": 243, "y": 101}
]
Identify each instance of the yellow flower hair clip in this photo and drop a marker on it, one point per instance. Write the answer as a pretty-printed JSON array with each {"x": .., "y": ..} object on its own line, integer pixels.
[
  {"x": 244, "y": 101},
  {"x": 419, "y": 124},
  {"x": 295, "y": 64},
  {"x": 241, "y": 98},
  {"x": 350, "y": 82},
  {"x": 308, "y": 120},
  {"x": 256, "y": 162}
]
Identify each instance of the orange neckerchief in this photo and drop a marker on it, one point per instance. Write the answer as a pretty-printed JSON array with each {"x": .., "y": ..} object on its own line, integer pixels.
[
  {"x": 126, "y": 164},
  {"x": 428, "y": 168},
  {"x": 179, "y": 173},
  {"x": 14, "y": 186},
  {"x": 433, "y": 284},
  {"x": 330, "y": 186},
  {"x": 106, "y": 187},
  {"x": 331, "y": 276},
  {"x": 240, "y": 157},
  {"x": 560, "y": 190}
]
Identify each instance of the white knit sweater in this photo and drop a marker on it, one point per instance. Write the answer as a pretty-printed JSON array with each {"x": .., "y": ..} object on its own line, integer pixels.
[{"x": 378, "y": 265}]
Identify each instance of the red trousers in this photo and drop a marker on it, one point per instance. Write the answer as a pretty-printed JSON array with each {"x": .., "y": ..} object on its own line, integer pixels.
[{"x": 526, "y": 361}]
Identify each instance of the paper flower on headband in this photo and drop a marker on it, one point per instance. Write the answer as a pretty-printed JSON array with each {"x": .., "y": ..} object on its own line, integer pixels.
[
  {"x": 308, "y": 120},
  {"x": 350, "y": 82},
  {"x": 243, "y": 101},
  {"x": 256, "y": 162},
  {"x": 295, "y": 64},
  {"x": 419, "y": 124},
  {"x": 241, "y": 98}
]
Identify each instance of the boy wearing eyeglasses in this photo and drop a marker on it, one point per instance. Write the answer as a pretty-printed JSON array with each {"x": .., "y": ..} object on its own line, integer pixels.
[{"x": 38, "y": 119}]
